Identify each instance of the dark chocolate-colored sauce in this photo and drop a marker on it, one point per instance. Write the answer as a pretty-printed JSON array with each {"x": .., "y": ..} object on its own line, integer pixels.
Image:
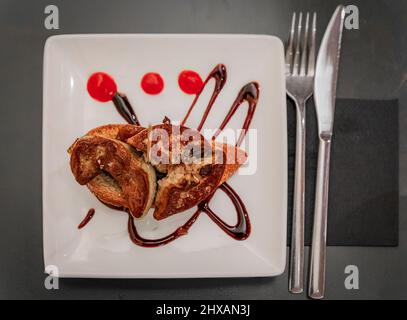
[
  {"x": 240, "y": 231},
  {"x": 124, "y": 108},
  {"x": 87, "y": 218},
  {"x": 219, "y": 74},
  {"x": 249, "y": 93}
]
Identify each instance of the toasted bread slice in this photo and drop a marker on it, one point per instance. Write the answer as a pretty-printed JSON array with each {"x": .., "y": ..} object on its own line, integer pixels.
[
  {"x": 187, "y": 183},
  {"x": 114, "y": 173},
  {"x": 167, "y": 144},
  {"x": 107, "y": 190},
  {"x": 120, "y": 132},
  {"x": 186, "y": 186}
]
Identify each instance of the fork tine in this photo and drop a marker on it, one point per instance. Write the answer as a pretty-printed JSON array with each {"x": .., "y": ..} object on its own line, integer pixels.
[
  {"x": 303, "y": 68},
  {"x": 311, "y": 58},
  {"x": 298, "y": 46},
  {"x": 290, "y": 45}
]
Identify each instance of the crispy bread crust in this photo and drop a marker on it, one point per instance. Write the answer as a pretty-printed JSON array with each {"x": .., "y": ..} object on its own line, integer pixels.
[
  {"x": 111, "y": 169},
  {"x": 178, "y": 137},
  {"x": 120, "y": 132},
  {"x": 105, "y": 161},
  {"x": 184, "y": 187},
  {"x": 93, "y": 154}
]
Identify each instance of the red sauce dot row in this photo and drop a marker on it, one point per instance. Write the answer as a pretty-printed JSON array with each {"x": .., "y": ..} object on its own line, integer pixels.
[{"x": 102, "y": 86}]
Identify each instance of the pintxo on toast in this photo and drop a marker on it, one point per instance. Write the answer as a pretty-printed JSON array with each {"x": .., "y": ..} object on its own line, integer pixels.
[{"x": 165, "y": 167}]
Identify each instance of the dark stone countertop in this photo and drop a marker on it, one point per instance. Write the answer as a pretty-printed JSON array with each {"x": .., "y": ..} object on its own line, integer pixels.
[{"x": 373, "y": 66}]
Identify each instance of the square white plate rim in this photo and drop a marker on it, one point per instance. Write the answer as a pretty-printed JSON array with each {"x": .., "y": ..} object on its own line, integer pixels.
[{"x": 282, "y": 255}]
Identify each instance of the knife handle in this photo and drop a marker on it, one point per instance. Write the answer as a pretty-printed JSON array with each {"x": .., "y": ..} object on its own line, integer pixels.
[
  {"x": 296, "y": 277},
  {"x": 318, "y": 251}
]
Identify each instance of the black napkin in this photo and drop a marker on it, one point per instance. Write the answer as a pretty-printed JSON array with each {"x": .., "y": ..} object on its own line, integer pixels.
[{"x": 363, "y": 195}]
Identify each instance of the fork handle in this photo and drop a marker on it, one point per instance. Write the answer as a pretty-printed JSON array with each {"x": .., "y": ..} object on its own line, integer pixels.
[
  {"x": 296, "y": 278},
  {"x": 318, "y": 251}
]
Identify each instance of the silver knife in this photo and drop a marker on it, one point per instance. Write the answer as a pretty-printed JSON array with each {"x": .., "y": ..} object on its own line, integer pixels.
[{"x": 326, "y": 77}]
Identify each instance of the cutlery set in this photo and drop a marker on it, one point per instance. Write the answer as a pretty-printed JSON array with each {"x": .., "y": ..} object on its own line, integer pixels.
[
  {"x": 305, "y": 78},
  {"x": 132, "y": 185}
]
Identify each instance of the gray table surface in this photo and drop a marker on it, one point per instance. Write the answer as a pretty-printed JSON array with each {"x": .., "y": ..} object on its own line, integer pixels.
[{"x": 373, "y": 66}]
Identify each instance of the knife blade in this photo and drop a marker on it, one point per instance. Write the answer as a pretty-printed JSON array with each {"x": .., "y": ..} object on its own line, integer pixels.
[{"x": 326, "y": 77}]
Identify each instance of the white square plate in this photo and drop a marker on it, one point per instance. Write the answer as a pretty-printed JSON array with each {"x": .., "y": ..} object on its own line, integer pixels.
[{"x": 103, "y": 248}]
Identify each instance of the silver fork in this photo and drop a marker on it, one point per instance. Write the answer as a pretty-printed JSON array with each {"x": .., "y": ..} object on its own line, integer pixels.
[{"x": 300, "y": 70}]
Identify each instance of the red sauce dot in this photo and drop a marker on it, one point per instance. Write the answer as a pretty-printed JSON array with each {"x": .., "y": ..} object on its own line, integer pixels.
[
  {"x": 190, "y": 82},
  {"x": 101, "y": 86},
  {"x": 152, "y": 83}
]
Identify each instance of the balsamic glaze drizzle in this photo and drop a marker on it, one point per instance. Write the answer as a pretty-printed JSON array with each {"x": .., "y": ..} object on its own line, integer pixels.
[
  {"x": 124, "y": 108},
  {"x": 87, "y": 218}
]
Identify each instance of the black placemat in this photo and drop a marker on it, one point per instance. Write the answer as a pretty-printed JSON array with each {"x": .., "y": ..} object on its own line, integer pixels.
[{"x": 363, "y": 195}]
